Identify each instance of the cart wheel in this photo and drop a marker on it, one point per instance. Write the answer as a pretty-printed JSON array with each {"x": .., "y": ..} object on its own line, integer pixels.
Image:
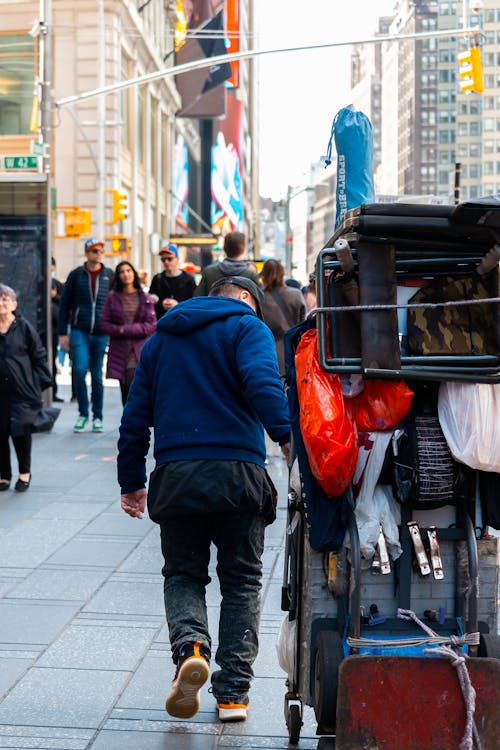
[
  {"x": 328, "y": 653},
  {"x": 294, "y": 724},
  {"x": 326, "y": 743},
  {"x": 489, "y": 645}
]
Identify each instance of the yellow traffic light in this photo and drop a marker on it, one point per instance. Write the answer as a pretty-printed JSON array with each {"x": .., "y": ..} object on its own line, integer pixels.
[
  {"x": 120, "y": 245},
  {"x": 119, "y": 206},
  {"x": 471, "y": 71}
]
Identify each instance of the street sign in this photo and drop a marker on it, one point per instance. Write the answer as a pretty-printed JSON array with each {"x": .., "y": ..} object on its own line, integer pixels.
[
  {"x": 20, "y": 162},
  {"x": 36, "y": 148}
]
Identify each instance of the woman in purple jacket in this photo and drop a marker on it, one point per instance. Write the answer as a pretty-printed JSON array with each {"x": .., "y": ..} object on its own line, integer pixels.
[{"x": 128, "y": 318}]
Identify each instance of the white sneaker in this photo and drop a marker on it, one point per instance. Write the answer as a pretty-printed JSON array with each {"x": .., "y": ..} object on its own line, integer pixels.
[
  {"x": 97, "y": 425},
  {"x": 80, "y": 424}
]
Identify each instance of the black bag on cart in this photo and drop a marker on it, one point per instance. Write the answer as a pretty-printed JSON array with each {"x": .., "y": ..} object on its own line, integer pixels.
[
  {"x": 425, "y": 476},
  {"x": 489, "y": 492},
  {"x": 325, "y": 517}
]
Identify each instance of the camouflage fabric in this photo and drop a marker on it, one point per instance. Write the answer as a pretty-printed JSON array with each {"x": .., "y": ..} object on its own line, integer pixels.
[{"x": 465, "y": 330}]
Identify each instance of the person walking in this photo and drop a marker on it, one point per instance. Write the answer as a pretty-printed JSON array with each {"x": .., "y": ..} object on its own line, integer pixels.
[
  {"x": 208, "y": 382},
  {"x": 23, "y": 376},
  {"x": 172, "y": 285},
  {"x": 82, "y": 301},
  {"x": 234, "y": 264},
  {"x": 283, "y": 305},
  {"x": 128, "y": 318}
]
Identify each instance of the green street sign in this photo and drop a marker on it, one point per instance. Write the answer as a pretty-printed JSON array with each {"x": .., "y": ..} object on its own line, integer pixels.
[{"x": 20, "y": 162}]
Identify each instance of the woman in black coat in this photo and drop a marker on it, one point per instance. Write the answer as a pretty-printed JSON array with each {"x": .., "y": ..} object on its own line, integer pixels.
[{"x": 23, "y": 376}]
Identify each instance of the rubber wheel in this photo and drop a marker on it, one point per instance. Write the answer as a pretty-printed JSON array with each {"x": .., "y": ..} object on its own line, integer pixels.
[
  {"x": 328, "y": 653},
  {"x": 489, "y": 646},
  {"x": 326, "y": 743},
  {"x": 294, "y": 724}
]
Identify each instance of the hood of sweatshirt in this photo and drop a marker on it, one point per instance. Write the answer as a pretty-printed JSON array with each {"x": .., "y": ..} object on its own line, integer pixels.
[{"x": 199, "y": 312}]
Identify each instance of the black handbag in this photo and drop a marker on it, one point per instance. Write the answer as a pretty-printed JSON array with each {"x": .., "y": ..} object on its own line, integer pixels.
[{"x": 45, "y": 419}]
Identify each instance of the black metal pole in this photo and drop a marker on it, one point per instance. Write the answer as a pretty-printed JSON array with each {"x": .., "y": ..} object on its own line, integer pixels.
[
  {"x": 458, "y": 168},
  {"x": 206, "y": 136}
]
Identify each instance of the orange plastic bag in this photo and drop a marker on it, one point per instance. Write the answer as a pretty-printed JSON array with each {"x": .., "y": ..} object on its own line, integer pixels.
[
  {"x": 328, "y": 432},
  {"x": 380, "y": 405}
]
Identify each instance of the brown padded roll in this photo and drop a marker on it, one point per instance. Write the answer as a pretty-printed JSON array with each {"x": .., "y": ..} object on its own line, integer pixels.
[{"x": 379, "y": 328}]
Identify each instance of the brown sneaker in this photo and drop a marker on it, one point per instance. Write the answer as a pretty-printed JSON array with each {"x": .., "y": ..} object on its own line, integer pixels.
[{"x": 193, "y": 671}]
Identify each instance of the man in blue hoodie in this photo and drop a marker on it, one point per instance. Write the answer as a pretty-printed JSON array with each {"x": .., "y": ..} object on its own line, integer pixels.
[{"x": 208, "y": 383}]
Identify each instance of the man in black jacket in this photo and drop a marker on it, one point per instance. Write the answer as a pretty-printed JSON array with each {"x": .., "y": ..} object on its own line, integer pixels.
[
  {"x": 172, "y": 285},
  {"x": 82, "y": 301}
]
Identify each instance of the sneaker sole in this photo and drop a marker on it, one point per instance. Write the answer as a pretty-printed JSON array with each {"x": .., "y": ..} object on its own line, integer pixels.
[
  {"x": 183, "y": 701},
  {"x": 233, "y": 714}
]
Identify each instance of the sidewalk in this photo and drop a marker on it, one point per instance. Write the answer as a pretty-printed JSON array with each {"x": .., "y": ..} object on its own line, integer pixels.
[{"x": 84, "y": 653}]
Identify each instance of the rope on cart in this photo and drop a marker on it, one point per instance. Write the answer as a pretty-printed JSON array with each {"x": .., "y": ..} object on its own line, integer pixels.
[
  {"x": 426, "y": 305},
  {"x": 458, "y": 661},
  {"x": 468, "y": 639}
]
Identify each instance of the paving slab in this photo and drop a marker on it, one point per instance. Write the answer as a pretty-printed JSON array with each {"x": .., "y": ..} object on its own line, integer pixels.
[
  {"x": 33, "y": 623},
  {"x": 62, "y": 697},
  {"x": 109, "y": 647},
  {"x": 58, "y": 585}
]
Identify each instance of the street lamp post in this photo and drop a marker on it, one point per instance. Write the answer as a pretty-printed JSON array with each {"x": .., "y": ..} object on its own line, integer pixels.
[{"x": 288, "y": 229}]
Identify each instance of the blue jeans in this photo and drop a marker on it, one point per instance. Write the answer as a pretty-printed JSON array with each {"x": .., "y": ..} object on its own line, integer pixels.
[
  {"x": 239, "y": 539},
  {"x": 87, "y": 353}
]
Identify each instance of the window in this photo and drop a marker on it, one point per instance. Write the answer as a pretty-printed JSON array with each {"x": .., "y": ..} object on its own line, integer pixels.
[{"x": 17, "y": 76}]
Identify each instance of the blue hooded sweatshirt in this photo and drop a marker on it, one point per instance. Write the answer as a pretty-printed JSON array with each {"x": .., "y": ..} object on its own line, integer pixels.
[{"x": 207, "y": 382}]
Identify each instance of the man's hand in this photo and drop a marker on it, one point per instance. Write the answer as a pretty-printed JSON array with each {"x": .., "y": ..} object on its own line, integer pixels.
[
  {"x": 168, "y": 303},
  {"x": 285, "y": 449},
  {"x": 134, "y": 503},
  {"x": 64, "y": 343}
]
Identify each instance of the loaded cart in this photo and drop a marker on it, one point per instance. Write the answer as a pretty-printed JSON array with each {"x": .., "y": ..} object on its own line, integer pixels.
[{"x": 391, "y": 578}]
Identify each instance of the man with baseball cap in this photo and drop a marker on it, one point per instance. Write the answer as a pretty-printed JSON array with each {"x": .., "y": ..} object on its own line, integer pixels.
[
  {"x": 82, "y": 301},
  {"x": 208, "y": 383},
  {"x": 172, "y": 285}
]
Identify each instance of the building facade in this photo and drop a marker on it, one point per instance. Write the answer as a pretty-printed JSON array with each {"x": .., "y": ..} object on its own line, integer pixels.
[{"x": 128, "y": 140}]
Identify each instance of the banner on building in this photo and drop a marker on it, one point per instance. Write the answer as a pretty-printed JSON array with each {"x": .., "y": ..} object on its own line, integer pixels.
[{"x": 202, "y": 92}]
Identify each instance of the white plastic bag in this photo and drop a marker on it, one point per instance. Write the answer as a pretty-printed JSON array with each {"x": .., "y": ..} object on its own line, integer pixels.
[
  {"x": 469, "y": 414},
  {"x": 287, "y": 646}
]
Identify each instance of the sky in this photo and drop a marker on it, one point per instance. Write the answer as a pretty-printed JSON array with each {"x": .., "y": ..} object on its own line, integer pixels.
[{"x": 300, "y": 92}]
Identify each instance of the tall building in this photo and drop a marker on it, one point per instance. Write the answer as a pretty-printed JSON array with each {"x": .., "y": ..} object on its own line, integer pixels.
[
  {"x": 135, "y": 141},
  {"x": 430, "y": 131}
]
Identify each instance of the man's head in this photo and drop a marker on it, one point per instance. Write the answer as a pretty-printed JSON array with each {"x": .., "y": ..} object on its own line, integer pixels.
[
  {"x": 93, "y": 250},
  {"x": 234, "y": 244},
  {"x": 169, "y": 255},
  {"x": 239, "y": 287}
]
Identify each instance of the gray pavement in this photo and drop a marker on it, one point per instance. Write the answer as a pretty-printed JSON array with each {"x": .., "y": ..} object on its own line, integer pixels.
[{"x": 84, "y": 652}]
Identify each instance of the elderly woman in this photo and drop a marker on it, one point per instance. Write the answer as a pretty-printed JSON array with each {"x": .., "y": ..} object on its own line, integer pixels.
[
  {"x": 23, "y": 376},
  {"x": 283, "y": 306},
  {"x": 129, "y": 318}
]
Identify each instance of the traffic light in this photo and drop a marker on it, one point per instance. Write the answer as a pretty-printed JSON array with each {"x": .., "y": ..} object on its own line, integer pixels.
[
  {"x": 119, "y": 206},
  {"x": 471, "y": 71},
  {"x": 120, "y": 245}
]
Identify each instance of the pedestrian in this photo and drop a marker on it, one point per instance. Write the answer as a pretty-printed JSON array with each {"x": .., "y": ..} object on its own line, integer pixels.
[
  {"x": 208, "y": 383},
  {"x": 234, "y": 264},
  {"x": 128, "y": 318},
  {"x": 143, "y": 278},
  {"x": 283, "y": 305},
  {"x": 23, "y": 376},
  {"x": 172, "y": 285},
  {"x": 82, "y": 301},
  {"x": 56, "y": 288}
]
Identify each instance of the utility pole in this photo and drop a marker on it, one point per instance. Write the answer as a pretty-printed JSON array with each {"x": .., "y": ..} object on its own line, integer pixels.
[
  {"x": 45, "y": 88},
  {"x": 101, "y": 124}
]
